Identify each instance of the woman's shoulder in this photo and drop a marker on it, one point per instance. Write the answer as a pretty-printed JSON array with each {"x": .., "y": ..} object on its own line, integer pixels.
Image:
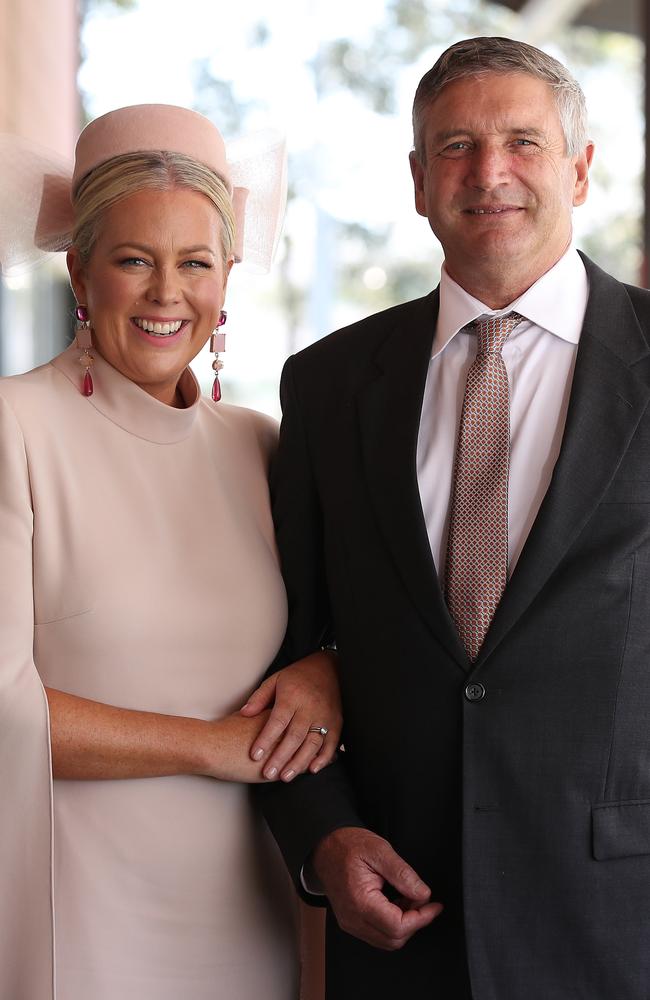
[
  {"x": 29, "y": 388},
  {"x": 249, "y": 424}
]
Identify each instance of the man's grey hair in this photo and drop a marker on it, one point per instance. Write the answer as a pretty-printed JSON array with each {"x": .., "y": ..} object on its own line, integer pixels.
[{"x": 474, "y": 57}]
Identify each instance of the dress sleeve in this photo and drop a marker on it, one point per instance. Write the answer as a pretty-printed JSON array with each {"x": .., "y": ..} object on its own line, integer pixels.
[
  {"x": 302, "y": 812},
  {"x": 26, "y": 912}
]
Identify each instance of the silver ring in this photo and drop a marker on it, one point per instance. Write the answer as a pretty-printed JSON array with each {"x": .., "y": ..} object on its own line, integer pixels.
[{"x": 323, "y": 730}]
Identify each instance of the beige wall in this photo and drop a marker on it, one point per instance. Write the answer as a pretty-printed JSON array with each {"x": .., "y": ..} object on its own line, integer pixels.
[
  {"x": 38, "y": 68},
  {"x": 39, "y": 101}
]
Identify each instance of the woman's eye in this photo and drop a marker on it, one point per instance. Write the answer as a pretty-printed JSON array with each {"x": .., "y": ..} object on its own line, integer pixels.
[
  {"x": 192, "y": 264},
  {"x": 132, "y": 261}
]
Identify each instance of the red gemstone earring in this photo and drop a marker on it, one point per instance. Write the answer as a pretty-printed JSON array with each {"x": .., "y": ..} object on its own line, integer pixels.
[
  {"x": 84, "y": 342},
  {"x": 218, "y": 343}
]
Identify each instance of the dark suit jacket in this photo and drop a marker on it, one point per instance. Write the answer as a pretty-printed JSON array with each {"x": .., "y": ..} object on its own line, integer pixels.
[{"x": 527, "y": 811}]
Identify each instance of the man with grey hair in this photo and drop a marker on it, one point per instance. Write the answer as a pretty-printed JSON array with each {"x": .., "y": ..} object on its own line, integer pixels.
[{"x": 462, "y": 502}]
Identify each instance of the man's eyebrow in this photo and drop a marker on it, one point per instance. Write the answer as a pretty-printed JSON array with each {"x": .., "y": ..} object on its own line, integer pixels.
[
  {"x": 465, "y": 133},
  {"x": 526, "y": 130},
  {"x": 452, "y": 133}
]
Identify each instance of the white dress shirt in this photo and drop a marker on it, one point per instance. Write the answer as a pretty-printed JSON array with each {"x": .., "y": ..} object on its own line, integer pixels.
[{"x": 539, "y": 356}]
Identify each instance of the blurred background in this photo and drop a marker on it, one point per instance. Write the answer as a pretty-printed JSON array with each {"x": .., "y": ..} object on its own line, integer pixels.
[{"x": 338, "y": 77}]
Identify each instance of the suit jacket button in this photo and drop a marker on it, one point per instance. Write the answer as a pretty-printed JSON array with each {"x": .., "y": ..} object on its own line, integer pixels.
[{"x": 475, "y": 691}]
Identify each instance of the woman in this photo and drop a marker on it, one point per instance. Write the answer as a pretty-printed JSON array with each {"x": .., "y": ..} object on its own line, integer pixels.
[{"x": 141, "y": 603}]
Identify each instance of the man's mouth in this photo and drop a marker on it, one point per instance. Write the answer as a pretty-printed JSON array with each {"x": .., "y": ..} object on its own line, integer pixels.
[{"x": 492, "y": 210}]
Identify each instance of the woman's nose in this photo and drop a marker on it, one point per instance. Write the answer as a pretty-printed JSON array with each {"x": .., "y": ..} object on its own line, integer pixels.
[{"x": 164, "y": 286}]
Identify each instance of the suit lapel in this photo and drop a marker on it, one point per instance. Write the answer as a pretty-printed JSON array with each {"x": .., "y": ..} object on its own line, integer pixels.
[
  {"x": 608, "y": 399},
  {"x": 389, "y": 408}
]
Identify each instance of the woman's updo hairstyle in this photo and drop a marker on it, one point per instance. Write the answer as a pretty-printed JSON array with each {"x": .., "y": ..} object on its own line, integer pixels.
[{"x": 129, "y": 173}]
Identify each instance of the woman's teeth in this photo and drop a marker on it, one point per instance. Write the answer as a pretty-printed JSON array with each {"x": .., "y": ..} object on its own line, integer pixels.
[{"x": 159, "y": 329}]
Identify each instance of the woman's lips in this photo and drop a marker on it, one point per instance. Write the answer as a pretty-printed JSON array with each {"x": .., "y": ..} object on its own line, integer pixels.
[{"x": 161, "y": 332}]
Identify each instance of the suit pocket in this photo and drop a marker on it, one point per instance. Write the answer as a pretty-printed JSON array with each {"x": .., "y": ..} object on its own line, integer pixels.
[{"x": 620, "y": 829}]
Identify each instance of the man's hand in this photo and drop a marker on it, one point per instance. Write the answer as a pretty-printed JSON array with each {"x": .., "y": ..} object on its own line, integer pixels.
[{"x": 353, "y": 865}]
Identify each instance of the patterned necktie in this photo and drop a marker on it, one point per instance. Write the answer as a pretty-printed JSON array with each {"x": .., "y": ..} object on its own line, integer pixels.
[{"x": 477, "y": 548}]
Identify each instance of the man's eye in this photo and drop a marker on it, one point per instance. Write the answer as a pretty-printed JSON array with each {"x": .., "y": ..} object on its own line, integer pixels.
[
  {"x": 455, "y": 148},
  {"x": 524, "y": 142}
]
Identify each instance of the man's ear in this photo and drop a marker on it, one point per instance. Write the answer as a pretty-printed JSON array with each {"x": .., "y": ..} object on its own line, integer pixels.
[
  {"x": 583, "y": 163},
  {"x": 77, "y": 274},
  {"x": 417, "y": 173}
]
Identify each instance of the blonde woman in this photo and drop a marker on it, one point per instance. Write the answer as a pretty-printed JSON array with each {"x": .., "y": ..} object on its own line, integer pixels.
[{"x": 141, "y": 602}]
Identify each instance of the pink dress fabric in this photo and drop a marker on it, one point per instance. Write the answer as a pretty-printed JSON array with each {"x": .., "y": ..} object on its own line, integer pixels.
[{"x": 138, "y": 569}]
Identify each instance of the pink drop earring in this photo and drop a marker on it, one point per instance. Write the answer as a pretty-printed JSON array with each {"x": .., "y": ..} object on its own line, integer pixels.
[
  {"x": 218, "y": 343},
  {"x": 84, "y": 343}
]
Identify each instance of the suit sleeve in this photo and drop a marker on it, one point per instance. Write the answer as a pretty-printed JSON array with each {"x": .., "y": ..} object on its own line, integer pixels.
[
  {"x": 26, "y": 922},
  {"x": 301, "y": 813}
]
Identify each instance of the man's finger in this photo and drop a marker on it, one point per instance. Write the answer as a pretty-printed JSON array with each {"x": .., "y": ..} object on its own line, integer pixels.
[
  {"x": 404, "y": 879},
  {"x": 394, "y": 925},
  {"x": 383, "y": 924}
]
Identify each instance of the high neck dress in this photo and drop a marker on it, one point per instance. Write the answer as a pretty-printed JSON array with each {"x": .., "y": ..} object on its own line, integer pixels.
[{"x": 138, "y": 569}]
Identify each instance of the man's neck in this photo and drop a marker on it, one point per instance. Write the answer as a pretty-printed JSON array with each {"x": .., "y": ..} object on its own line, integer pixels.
[{"x": 498, "y": 288}]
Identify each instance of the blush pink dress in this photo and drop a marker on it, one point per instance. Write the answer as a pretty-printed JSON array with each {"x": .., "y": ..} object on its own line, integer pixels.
[{"x": 138, "y": 569}]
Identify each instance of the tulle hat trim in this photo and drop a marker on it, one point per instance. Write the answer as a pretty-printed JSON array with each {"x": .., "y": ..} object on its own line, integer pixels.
[{"x": 36, "y": 218}]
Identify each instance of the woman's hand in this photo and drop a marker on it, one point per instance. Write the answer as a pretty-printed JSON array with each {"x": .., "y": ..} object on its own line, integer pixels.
[
  {"x": 303, "y": 696},
  {"x": 226, "y": 748}
]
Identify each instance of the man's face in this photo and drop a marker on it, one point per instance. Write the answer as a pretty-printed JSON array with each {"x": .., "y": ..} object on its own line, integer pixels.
[{"x": 496, "y": 184}]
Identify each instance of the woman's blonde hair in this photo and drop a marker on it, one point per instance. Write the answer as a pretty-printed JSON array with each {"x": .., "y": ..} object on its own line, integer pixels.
[{"x": 124, "y": 175}]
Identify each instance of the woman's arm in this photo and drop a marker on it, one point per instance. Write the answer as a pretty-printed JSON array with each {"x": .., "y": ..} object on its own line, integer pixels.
[
  {"x": 26, "y": 941},
  {"x": 91, "y": 740}
]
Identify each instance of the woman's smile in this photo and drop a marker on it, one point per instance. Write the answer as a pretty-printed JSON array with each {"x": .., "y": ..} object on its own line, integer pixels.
[{"x": 160, "y": 332}]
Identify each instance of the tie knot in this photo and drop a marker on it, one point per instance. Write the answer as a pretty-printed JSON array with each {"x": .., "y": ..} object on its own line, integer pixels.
[{"x": 493, "y": 332}]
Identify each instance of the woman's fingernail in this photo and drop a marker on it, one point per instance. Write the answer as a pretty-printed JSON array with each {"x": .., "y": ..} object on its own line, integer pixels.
[
  {"x": 245, "y": 706},
  {"x": 288, "y": 775},
  {"x": 258, "y": 754},
  {"x": 316, "y": 768},
  {"x": 271, "y": 773}
]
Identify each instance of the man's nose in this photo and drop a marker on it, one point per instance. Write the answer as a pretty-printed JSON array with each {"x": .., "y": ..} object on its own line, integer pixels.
[
  {"x": 164, "y": 286},
  {"x": 488, "y": 168}
]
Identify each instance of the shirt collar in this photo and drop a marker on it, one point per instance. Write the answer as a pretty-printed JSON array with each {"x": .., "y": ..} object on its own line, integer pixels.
[{"x": 557, "y": 302}]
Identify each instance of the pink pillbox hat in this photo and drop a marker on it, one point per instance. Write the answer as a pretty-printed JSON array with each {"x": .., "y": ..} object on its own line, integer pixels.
[
  {"x": 141, "y": 127},
  {"x": 38, "y": 191}
]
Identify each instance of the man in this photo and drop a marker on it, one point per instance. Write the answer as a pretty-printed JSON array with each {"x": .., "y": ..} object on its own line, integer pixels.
[{"x": 462, "y": 499}]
